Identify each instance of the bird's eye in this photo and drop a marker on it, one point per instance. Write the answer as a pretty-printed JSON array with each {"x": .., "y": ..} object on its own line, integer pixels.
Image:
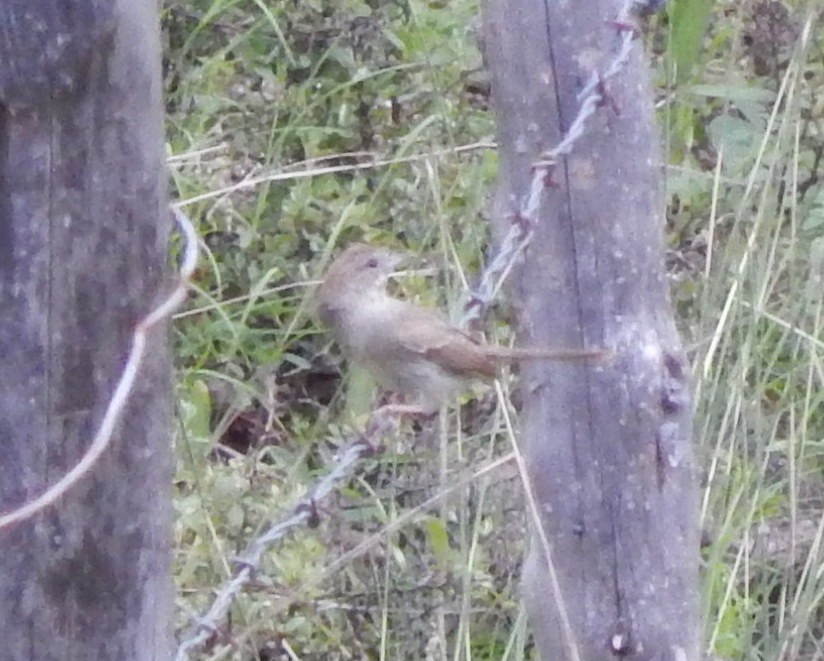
[{"x": 372, "y": 263}]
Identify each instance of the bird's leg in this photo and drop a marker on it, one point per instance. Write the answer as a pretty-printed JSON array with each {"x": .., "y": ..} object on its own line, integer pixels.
[
  {"x": 384, "y": 419},
  {"x": 399, "y": 410},
  {"x": 394, "y": 404},
  {"x": 388, "y": 397}
]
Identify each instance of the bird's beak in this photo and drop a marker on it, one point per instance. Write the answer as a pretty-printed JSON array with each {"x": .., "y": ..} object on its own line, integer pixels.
[
  {"x": 418, "y": 266},
  {"x": 397, "y": 261}
]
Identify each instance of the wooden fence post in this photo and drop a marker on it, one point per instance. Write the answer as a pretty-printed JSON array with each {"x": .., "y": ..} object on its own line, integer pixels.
[
  {"x": 608, "y": 447},
  {"x": 84, "y": 223}
]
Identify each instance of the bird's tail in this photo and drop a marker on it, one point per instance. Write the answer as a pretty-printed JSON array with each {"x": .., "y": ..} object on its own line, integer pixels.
[{"x": 506, "y": 354}]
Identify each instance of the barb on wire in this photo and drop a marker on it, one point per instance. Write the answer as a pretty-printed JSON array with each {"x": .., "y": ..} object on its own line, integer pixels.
[
  {"x": 303, "y": 512},
  {"x": 124, "y": 387},
  {"x": 593, "y": 96}
]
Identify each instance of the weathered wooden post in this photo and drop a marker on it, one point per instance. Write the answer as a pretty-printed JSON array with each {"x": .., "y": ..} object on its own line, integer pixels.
[
  {"x": 83, "y": 252},
  {"x": 607, "y": 447}
]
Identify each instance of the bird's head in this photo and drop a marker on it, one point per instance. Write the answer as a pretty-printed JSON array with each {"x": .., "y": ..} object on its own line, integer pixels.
[{"x": 359, "y": 271}]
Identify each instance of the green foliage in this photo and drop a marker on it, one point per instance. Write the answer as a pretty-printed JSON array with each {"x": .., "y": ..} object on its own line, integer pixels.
[{"x": 688, "y": 20}]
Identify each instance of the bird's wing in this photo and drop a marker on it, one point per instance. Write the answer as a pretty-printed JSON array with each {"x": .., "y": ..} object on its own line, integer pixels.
[{"x": 424, "y": 333}]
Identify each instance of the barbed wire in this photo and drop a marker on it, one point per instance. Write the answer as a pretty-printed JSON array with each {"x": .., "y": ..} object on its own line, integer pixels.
[
  {"x": 303, "y": 512},
  {"x": 593, "y": 96},
  {"x": 125, "y": 384}
]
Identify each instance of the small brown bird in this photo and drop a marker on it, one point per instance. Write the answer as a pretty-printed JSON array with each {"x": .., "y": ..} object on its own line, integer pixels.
[{"x": 408, "y": 349}]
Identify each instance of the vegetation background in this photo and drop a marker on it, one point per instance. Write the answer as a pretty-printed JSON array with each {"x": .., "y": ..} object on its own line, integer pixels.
[{"x": 295, "y": 127}]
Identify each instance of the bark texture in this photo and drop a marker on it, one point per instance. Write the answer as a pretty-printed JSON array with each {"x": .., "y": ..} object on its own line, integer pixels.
[
  {"x": 83, "y": 250},
  {"x": 608, "y": 447}
]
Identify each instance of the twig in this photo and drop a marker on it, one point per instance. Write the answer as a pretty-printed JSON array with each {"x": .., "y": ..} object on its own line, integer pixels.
[
  {"x": 121, "y": 394},
  {"x": 370, "y": 161}
]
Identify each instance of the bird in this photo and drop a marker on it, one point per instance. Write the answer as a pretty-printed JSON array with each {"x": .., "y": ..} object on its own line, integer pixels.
[{"x": 410, "y": 350}]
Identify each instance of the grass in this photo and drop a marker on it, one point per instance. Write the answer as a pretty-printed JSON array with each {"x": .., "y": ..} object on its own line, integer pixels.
[
  {"x": 296, "y": 127},
  {"x": 758, "y": 373}
]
